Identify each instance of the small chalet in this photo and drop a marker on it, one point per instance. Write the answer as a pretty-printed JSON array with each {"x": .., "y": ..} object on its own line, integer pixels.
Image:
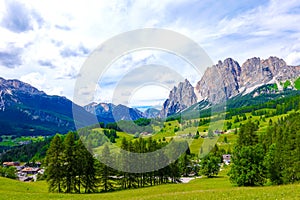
[
  {"x": 11, "y": 164},
  {"x": 226, "y": 159},
  {"x": 30, "y": 170}
]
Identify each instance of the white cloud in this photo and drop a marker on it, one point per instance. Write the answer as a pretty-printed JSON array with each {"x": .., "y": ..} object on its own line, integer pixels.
[{"x": 293, "y": 58}]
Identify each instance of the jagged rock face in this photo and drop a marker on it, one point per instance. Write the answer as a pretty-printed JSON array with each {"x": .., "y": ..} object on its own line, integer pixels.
[
  {"x": 257, "y": 71},
  {"x": 225, "y": 80},
  {"x": 220, "y": 81},
  {"x": 180, "y": 97}
]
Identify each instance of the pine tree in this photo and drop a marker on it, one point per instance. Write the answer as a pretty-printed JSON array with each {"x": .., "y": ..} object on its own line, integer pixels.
[
  {"x": 105, "y": 169},
  {"x": 69, "y": 159},
  {"x": 54, "y": 164},
  {"x": 86, "y": 170}
]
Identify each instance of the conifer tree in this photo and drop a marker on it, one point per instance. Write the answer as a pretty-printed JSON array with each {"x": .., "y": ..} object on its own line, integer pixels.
[
  {"x": 54, "y": 168},
  {"x": 69, "y": 159},
  {"x": 105, "y": 169}
]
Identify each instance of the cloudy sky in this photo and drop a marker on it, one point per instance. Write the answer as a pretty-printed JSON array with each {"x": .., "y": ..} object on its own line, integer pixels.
[{"x": 45, "y": 43}]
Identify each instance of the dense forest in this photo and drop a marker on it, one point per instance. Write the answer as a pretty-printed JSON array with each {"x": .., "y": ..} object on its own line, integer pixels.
[{"x": 273, "y": 156}]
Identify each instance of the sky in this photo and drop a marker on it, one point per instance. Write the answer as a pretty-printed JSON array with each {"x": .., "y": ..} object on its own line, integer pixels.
[{"x": 45, "y": 43}]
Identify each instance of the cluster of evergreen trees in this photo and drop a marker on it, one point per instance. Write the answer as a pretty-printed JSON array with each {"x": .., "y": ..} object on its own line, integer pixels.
[
  {"x": 70, "y": 167},
  {"x": 273, "y": 156},
  {"x": 281, "y": 106}
]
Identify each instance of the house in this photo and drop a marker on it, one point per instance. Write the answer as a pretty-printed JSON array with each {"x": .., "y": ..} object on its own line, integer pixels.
[
  {"x": 226, "y": 159},
  {"x": 19, "y": 168},
  {"x": 30, "y": 170},
  {"x": 11, "y": 164}
]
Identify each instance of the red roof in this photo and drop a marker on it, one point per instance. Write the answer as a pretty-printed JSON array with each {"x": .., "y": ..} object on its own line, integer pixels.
[
  {"x": 11, "y": 163},
  {"x": 30, "y": 169}
]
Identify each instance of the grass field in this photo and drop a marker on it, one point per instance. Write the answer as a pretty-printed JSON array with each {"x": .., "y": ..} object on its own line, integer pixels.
[
  {"x": 167, "y": 132},
  {"x": 201, "y": 188},
  {"x": 297, "y": 84}
]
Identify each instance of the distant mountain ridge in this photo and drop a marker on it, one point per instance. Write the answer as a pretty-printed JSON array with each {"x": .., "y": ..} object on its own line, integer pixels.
[
  {"x": 151, "y": 113},
  {"x": 112, "y": 112},
  {"x": 27, "y": 111}
]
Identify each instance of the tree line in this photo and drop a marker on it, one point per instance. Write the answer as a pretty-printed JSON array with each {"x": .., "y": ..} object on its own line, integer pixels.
[{"x": 71, "y": 168}]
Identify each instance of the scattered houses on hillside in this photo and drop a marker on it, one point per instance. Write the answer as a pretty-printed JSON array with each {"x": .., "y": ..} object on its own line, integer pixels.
[
  {"x": 30, "y": 170},
  {"x": 26, "y": 172}
]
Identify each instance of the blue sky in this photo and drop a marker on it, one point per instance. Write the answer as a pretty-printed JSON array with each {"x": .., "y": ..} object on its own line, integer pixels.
[{"x": 45, "y": 43}]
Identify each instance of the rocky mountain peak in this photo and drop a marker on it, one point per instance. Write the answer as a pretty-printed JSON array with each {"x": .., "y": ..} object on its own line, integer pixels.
[
  {"x": 180, "y": 97},
  {"x": 227, "y": 79},
  {"x": 221, "y": 81},
  {"x": 16, "y": 85}
]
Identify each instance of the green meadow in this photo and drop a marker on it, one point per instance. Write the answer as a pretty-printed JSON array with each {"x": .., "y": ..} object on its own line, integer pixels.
[{"x": 199, "y": 188}]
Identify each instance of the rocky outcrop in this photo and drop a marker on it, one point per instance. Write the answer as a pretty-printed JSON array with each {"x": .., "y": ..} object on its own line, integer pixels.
[
  {"x": 180, "y": 97},
  {"x": 219, "y": 82},
  {"x": 227, "y": 79}
]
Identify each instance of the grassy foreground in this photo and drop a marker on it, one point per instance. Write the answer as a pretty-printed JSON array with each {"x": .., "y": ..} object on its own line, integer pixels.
[{"x": 203, "y": 188}]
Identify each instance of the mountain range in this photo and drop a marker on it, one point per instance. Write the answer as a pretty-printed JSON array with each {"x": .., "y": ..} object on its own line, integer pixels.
[
  {"x": 229, "y": 79},
  {"x": 27, "y": 111},
  {"x": 119, "y": 112}
]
